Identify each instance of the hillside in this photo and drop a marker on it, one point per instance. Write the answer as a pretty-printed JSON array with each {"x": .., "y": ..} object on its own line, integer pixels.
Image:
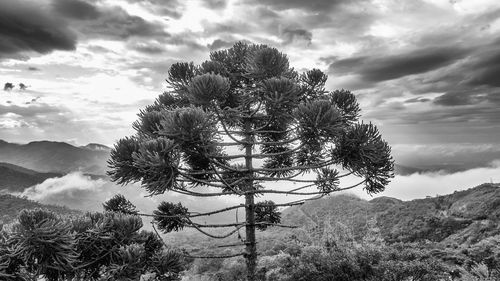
[
  {"x": 462, "y": 217},
  {"x": 15, "y": 179},
  {"x": 11, "y": 206},
  {"x": 57, "y": 157}
]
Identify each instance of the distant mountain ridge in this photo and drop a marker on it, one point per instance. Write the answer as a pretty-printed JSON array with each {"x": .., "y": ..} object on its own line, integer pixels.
[
  {"x": 56, "y": 157},
  {"x": 462, "y": 217},
  {"x": 96, "y": 146}
]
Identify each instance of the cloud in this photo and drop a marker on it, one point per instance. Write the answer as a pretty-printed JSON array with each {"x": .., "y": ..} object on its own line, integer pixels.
[
  {"x": 73, "y": 190},
  {"x": 417, "y": 99},
  {"x": 26, "y": 27},
  {"x": 170, "y": 8},
  {"x": 451, "y": 157},
  {"x": 376, "y": 68},
  {"x": 29, "y": 26},
  {"x": 76, "y": 9},
  {"x": 78, "y": 191},
  {"x": 485, "y": 66},
  {"x": 33, "y": 111},
  {"x": 431, "y": 184},
  {"x": 466, "y": 97},
  {"x": 219, "y": 44},
  {"x": 150, "y": 73},
  {"x": 215, "y": 4},
  {"x": 291, "y": 35},
  {"x": 116, "y": 23},
  {"x": 151, "y": 48},
  {"x": 311, "y": 5}
]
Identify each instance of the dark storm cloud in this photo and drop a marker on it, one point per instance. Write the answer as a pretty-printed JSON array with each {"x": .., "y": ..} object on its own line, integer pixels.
[
  {"x": 115, "y": 22},
  {"x": 291, "y": 35},
  {"x": 76, "y": 9},
  {"x": 186, "y": 39},
  {"x": 31, "y": 26},
  {"x": 345, "y": 66},
  {"x": 471, "y": 117},
  {"x": 458, "y": 98},
  {"x": 26, "y": 27},
  {"x": 485, "y": 68},
  {"x": 470, "y": 96},
  {"x": 219, "y": 44},
  {"x": 376, "y": 69},
  {"x": 472, "y": 81}
]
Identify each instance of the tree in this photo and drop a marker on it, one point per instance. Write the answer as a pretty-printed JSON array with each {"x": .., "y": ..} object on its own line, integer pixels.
[
  {"x": 22, "y": 86},
  {"x": 120, "y": 204},
  {"x": 93, "y": 246},
  {"x": 44, "y": 244},
  {"x": 239, "y": 122}
]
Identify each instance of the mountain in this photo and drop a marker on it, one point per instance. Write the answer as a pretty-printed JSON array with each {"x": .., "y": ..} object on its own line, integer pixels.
[
  {"x": 464, "y": 217},
  {"x": 96, "y": 147},
  {"x": 56, "y": 157},
  {"x": 12, "y": 205},
  {"x": 15, "y": 179}
]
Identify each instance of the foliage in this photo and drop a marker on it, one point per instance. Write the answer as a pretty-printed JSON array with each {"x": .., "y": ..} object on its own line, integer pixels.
[
  {"x": 266, "y": 213},
  {"x": 119, "y": 204},
  {"x": 94, "y": 246},
  {"x": 170, "y": 217},
  {"x": 44, "y": 244},
  {"x": 438, "y": 244},
  {"x": 247, "y": 104}
]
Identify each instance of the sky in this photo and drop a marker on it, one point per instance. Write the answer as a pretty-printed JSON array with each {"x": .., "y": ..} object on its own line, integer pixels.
[{"x": 424, "y": 71}]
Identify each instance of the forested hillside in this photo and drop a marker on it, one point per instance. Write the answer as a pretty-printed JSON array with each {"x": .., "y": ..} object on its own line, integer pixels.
[
  {"x": 15, "y": 179},
  {"x": 465, "y": 216},
  {"x": 346, "y": 238},
  {"x": 11, "y": 206}
]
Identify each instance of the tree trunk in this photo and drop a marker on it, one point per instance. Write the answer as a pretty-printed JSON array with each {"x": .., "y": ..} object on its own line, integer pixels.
[{"x": 251, "y": 249}]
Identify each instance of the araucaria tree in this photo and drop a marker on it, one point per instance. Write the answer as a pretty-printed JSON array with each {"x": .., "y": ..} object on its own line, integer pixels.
[{"x": 240, "y": 122}]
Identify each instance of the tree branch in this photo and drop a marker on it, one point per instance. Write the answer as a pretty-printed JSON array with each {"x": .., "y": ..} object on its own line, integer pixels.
[
  {"x": 218, "y": 236},
  {"x": 258, "y": 156}
]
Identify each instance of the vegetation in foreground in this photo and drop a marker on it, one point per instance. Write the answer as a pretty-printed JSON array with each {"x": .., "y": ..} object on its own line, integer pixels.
[
  {"x": 336, "y": 255},
  {"x": 94, "y": 246},
  {"x": 110, "y": 246}
]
